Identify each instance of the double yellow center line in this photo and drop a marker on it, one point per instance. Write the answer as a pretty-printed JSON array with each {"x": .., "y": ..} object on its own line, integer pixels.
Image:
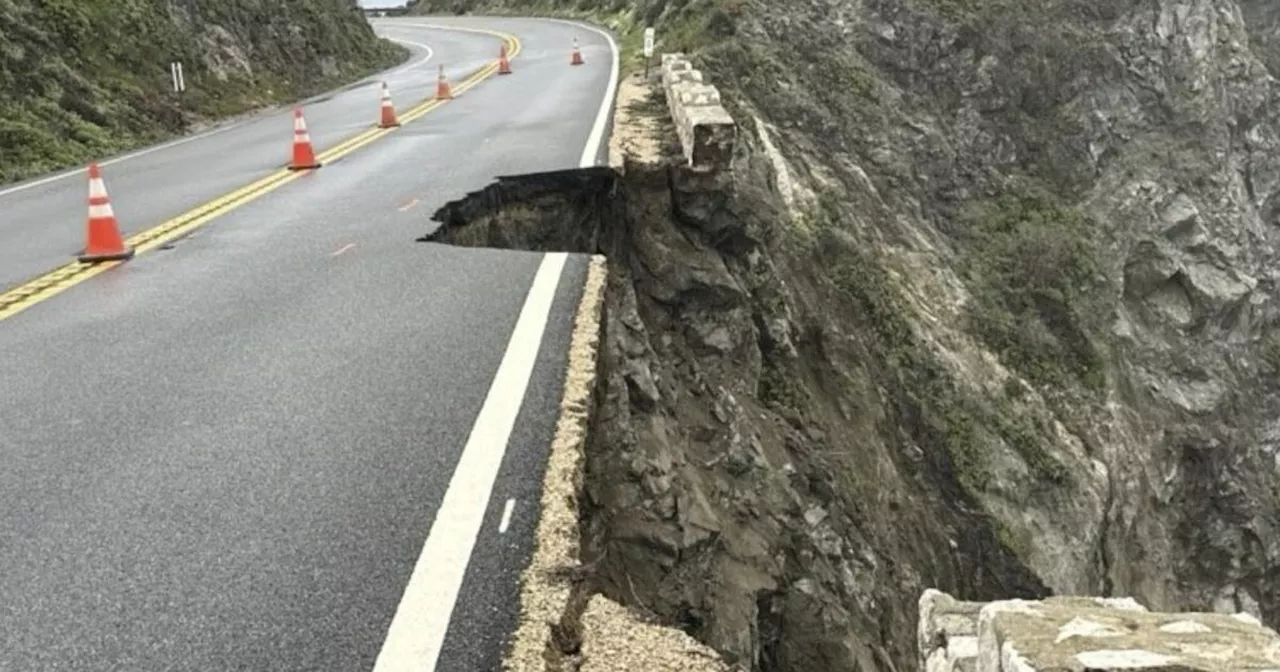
[{"x": 69, "y": 275}]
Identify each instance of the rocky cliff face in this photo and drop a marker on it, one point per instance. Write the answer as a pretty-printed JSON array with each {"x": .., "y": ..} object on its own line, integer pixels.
[
  {"x": 83, "y": 79},
  {"x": 987, "y": 303}
]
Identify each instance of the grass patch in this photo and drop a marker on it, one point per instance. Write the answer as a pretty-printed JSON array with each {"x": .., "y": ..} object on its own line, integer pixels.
[
  {"x": 1032, "y": 266},
  {"x": 1017, "y": 543},
  {"x": 966, "y": 427},
  {"x": 948, "y": 419},
  {"x": 1270, "y": 350},
  {"x": 777, "y": 387}
]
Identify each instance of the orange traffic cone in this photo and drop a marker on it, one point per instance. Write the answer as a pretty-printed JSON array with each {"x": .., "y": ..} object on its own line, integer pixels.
[
  {"x": 389, "y": 119},
  {"x": 504, "y": 64},
  {"x": 102, "y": 236},
  {"x": 304, "y": 156},
  {"x": 443, "y": 92},
  {"x": 577, "y": 54}
]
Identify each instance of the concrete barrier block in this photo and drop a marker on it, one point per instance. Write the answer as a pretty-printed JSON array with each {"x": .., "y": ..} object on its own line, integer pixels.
[
  {"x": 683, "y": 76},
  {"x": 694, "y": 93},
  {"x": 712, "y": 136},
  {"x": 946, "y": 635},
  {"x": 707, "y": 132},
  {"x": 675, "y": 65},
  {"x": 1083, "y": 634}
]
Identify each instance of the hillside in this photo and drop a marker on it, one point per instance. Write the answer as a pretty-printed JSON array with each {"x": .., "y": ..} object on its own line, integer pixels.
[
  {"x": 80, "y": 79},
  {"x": 989, "y": 304}
]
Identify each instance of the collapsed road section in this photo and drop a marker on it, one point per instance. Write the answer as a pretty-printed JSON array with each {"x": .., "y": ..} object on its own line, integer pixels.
[
  {"x": 574, "y": 588},
  {"x": 719, "y": 495}
]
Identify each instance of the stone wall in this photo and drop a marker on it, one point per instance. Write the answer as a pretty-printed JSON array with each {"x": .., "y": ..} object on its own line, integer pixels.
[
  {"x": 1086, "y": 633},
  {"x": 706, "y": 130}
]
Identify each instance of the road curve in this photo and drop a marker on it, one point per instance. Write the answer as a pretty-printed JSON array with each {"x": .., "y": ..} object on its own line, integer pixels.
[{"x": 228, "y": 454}]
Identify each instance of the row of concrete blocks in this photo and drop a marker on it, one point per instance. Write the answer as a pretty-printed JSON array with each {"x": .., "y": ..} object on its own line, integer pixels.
[
  {"x": 1086, "y": 634},
  {"x": 707, "y": 132}
]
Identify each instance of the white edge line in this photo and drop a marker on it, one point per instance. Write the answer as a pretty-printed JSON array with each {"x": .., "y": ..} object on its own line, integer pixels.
[
  {"x": 191, "y": 138},
  {"x": 417, "y": 630},
  {"x": 122, "y": 158},
  {"x": 406, "y": 68},
  {"x": 591, "y": 153},
  {"x": 506, "y": 516}
]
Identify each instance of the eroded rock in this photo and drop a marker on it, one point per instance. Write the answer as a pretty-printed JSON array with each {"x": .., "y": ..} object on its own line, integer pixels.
[{"x": 879, "y": 441}]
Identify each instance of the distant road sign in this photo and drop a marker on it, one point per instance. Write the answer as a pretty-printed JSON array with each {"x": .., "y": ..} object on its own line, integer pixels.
[{"x": 648, "y": 42}]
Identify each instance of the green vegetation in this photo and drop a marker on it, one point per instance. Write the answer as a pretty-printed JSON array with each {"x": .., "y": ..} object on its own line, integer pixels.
[
  {"x": 779, "y": 388},
  {"x": 1033, "y": 270},
  {"x": 1271, "y": 350},
  {"x": 964, "y": 425},
  {"x": 1020, "y": 543},
  {"x": 81, "y": 79},
  {"x": 680, "y": 25}
]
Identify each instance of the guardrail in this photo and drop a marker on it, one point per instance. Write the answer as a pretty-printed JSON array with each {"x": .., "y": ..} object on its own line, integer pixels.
[{"x": 707, "y": 131}]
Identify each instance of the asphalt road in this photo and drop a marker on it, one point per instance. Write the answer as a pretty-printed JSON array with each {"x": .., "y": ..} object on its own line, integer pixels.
[
  {"x": 229, "y": 454},
  {"x": 42, "y": 220}
]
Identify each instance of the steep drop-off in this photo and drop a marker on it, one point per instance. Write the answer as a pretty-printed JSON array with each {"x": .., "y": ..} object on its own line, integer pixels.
[
  {"x": 81, "y": 79},
  {"x": 987, "y": 303}
]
